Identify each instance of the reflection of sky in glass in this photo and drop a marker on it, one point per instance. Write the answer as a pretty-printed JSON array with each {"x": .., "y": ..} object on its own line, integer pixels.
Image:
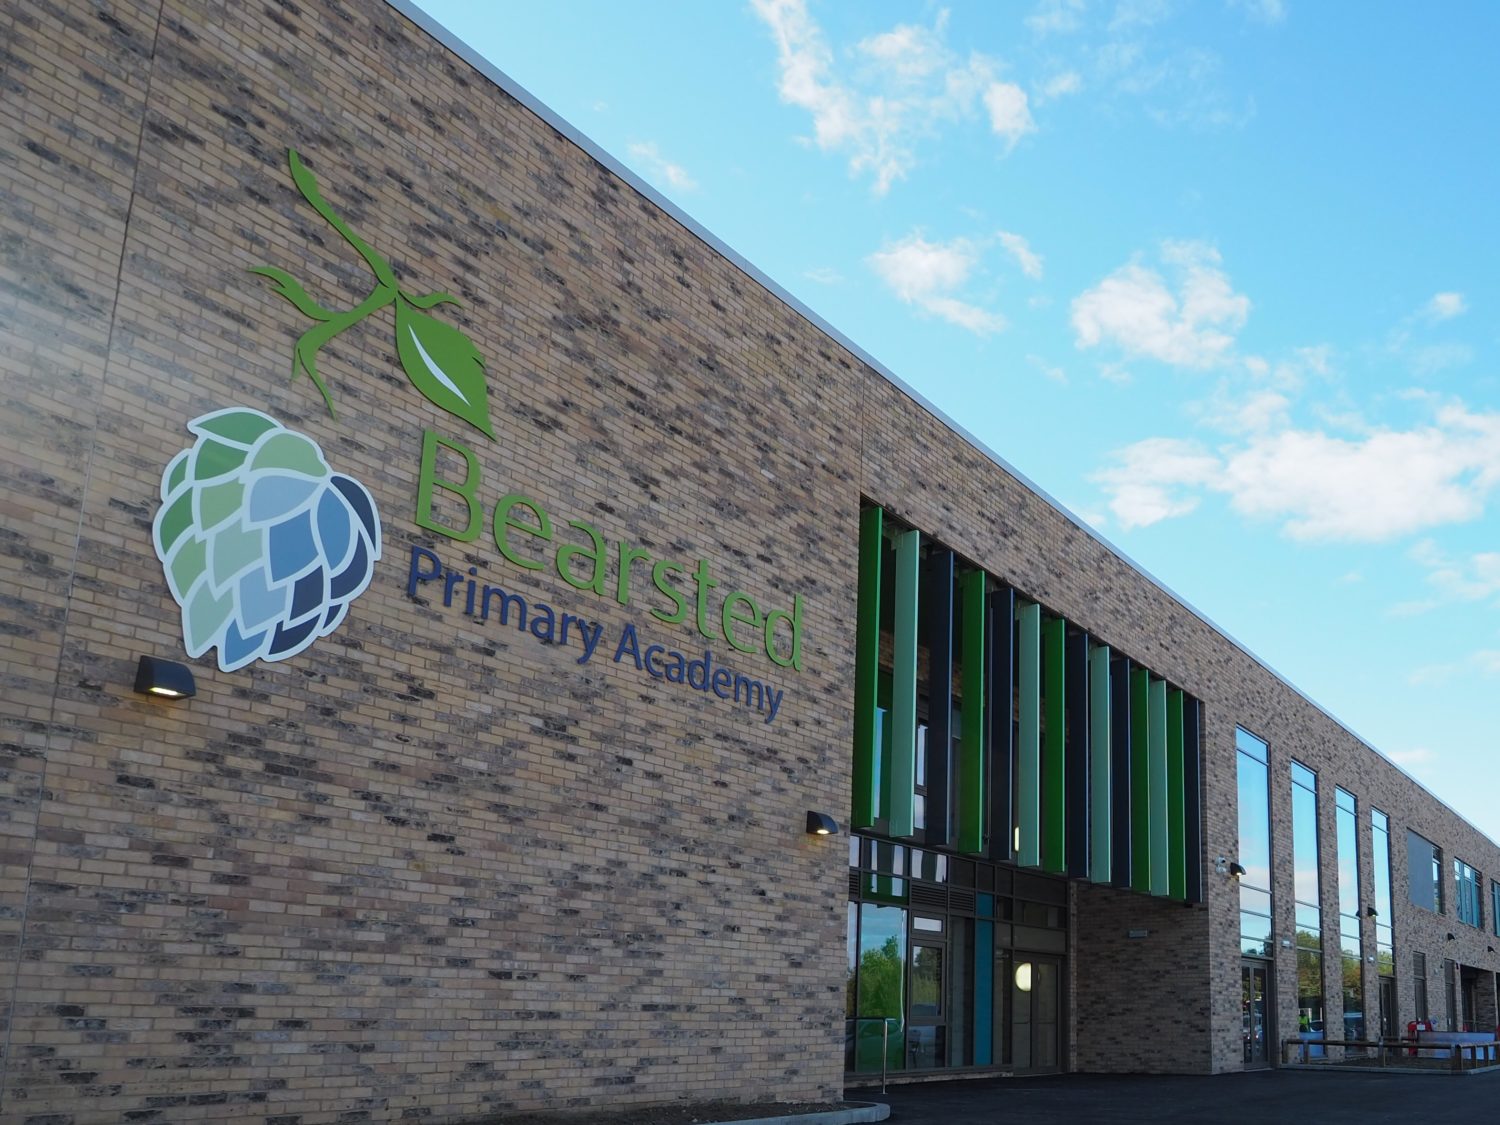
[
  {"x": 1305, "y": 834},
  {"x": 1381, "y": 839},
  {"x": 1348, "y": 856},
  {"x": 1255, "y": 822}
]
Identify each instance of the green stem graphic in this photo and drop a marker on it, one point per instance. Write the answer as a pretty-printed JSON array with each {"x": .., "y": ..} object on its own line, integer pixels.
[
  {"x": 305, "y": 355},
  {"x": 307, "y": 184}
]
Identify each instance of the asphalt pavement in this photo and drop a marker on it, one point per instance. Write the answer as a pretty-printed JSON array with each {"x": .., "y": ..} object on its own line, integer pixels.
[{"x": 1262, "y": 1098}]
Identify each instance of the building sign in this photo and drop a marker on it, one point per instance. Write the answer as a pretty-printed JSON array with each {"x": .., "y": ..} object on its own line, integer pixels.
[{"x": 264, "y": 546}]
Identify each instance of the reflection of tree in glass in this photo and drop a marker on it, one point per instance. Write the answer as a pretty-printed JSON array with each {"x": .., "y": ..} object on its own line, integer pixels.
[{"x": 880, "y": 980}]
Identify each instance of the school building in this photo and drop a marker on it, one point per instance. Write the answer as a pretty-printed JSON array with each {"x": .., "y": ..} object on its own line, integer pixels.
[{"x": 449, "y": 597}]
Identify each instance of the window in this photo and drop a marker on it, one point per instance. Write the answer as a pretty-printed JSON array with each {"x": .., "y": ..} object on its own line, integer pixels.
[
  {"x": 1495, "y": 907},
  {"x": 1424, "y": 872},
  {"x": 1419, "y": 985},
  {"x": 1351, "y": 948},
  {"x": 1309, "y": 924},
  {"x": 1255, "y": 846},
  {"x": 1468, "y": 882},
  {"x": 1385, "y": 951}
]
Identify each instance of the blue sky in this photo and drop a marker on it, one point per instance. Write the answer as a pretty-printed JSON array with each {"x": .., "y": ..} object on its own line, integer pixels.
[{"x": 1219, "y": 276}]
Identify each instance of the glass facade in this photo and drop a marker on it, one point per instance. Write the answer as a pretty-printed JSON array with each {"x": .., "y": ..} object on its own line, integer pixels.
[
  {"x": 987, "y": 726},
  {"x": 1254, "y": 788},
  {"x": 1385, "y": 947},
  {"x": 1308, "y": 919},
  {"x": 952, "y": 962},
  {"x": 1467, "y": 890},
  {"x": 1424, "y": 872},
  {"x": 1351, "y": 946}
]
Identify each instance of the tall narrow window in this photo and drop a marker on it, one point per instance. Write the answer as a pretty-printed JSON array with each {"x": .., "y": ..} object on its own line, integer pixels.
[
  {"x": 1309, "y": 925},
  {"x": 1351, "y": 948},
  {"x": 1255, "y": 845},
  {"x": 1419, "y": 985},
  {"x": 1467, "y": 883},
  {"x": 1424, "y": 872},
  {"x": 1385, "y": 949}
]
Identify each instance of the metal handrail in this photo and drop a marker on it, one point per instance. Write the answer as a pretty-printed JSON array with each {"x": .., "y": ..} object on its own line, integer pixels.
[
  {"x": 1384, "y": 1046},
  {"x": 885, "y": 1041}
]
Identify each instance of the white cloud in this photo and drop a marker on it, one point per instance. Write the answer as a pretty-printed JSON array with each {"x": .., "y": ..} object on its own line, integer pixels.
[
  {"x": 1052, "y": 372},
  {"x": 927, "y": 274},
  {"x": 1464, "y": 580},
  {"x": 658, "y": 167},
  {"x": 901, "y": 85},
  {"x": 1019, "y": 249},
  {"x": 824, "y": 275},
  {"x": 1139, "y": 13},
  {"x": 1154, "y": 480},
  {"x": 1010, "y": 115},
  {"x": 1445, "y": 306},
  {"x": 1053, "y": 17},
  {"x": 1376, "y": 487},
  {"x": 1262, "y": 11},
  {"x": 1417, "y": 756},
  {"x": 1136, "y": 311},
  {"x": 1061, "y": 85}
]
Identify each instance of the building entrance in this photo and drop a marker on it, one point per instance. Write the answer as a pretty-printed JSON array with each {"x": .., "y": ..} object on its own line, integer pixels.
[
  {"x": 1255, "y": 1009},
  {"x": 952, "y": 963}
]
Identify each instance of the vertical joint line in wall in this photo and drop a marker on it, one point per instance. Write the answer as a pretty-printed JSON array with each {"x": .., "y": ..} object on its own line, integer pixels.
[{"x": 62, "y": 637}]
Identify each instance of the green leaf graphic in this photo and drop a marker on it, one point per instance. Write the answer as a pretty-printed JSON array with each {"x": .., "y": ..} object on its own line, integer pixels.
[
  {"x": 443, "y": 364},
  {"x": 439, "y": 359},
  {"x": 239, "y": 426}
]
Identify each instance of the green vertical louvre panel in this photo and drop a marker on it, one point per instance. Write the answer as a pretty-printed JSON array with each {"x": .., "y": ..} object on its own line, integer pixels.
[
  {"x": 1176, "y": 801},
  {"x": 1029, "y": 744},
  {"x": 1140, "y": 782},
  {"x": 1100, "y": 795},
  {"x": 903, "y": 753},
  {"x": 972, "y": 790},
  {"x": 867, "y": 669},
  {"x": 1054, "y": 747},
  {"x": 1161, "y": 881}
]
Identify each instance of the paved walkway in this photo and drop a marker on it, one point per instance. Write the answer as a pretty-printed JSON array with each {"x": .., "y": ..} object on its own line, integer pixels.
[{"x": 1263, "y": 1098}]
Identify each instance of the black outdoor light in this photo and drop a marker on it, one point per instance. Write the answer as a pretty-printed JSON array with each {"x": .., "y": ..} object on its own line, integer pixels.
[
  {"x": 165, "y": 678},
  {"x": 821, "y": 824},
  {"x": 1371, "y": 912},
  {"x": 1452, "y": 937},
  {"x": 1236, "y": 870}
]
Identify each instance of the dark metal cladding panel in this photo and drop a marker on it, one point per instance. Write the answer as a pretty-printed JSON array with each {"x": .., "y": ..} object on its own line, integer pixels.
[
  {"x": 1077, "y": 751},
  {"x": 938, "y": 613},
  {"x": 1002, "y": 674},
  {"x": 1120, "y": 734},
  {"x": 1192, "y": 764}
]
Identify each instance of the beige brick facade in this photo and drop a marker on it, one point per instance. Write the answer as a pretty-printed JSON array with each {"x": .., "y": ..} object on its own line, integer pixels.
[{"x": 434, "y": 865}]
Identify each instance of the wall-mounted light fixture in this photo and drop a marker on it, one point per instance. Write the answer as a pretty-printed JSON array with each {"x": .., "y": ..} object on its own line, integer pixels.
[
  {"x": 1236, "y": 870},
  {"x": 1221, "y": 866},
  {"x": 821, "y": 824},
  {"x": 1452, "y": 937},
  {"x": 1371, "y": 912},
  {"x": 1489, "y": 949},
  {"x": 165, "y": 678}
]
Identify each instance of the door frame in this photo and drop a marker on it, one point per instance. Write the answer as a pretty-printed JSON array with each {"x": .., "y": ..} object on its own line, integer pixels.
[{"x": 1266, "y": 969}]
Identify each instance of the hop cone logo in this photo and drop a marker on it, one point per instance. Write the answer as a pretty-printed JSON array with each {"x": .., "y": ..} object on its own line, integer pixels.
[{"x": 264, "y": 546}]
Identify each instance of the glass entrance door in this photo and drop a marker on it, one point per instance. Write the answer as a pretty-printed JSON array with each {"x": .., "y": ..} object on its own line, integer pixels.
[
  {"x": 1255, "y": 1013},
  {"x": 1388, "y": 1007},
  {"x": 926, "y": 1030},
  {"x": 1035, "y": 1011}
]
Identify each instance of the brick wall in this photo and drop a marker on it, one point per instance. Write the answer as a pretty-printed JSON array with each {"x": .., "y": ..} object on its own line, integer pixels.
[{"x": 432, "y": 865}]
